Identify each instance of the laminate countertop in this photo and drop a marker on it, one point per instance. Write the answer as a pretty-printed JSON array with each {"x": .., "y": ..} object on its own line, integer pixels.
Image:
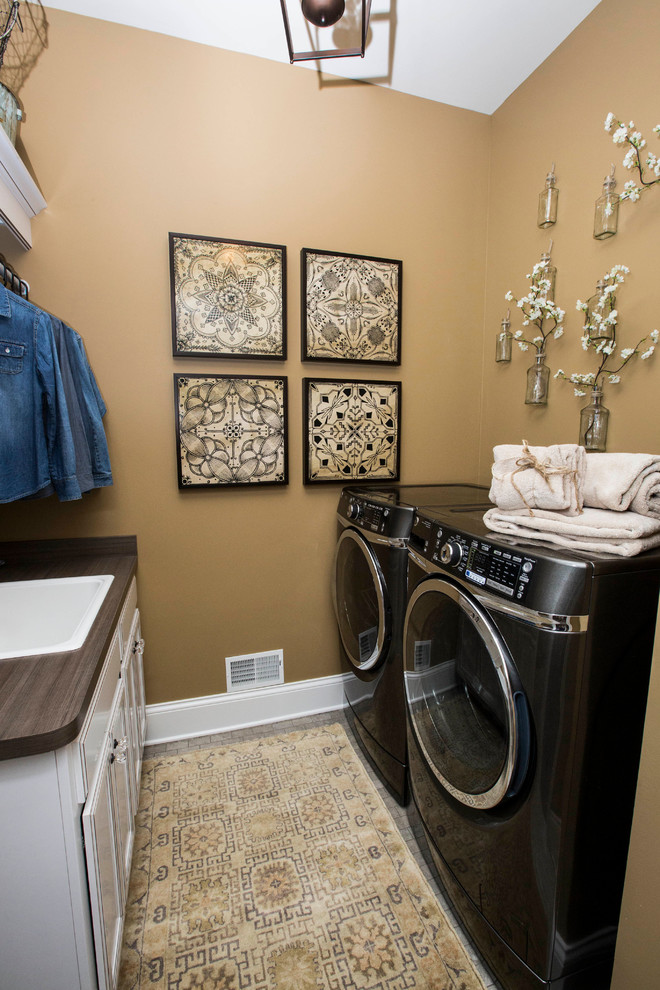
[{"x": 44, "y": 699}]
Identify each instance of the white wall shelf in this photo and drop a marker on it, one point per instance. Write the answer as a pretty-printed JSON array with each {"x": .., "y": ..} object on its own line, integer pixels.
[{"x": 20, "y": 197}]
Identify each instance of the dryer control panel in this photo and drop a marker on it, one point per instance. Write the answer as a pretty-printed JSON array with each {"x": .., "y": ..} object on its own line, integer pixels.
[{"x": 502, "y": 570}]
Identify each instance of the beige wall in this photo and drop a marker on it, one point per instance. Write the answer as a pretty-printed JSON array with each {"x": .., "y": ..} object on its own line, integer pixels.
[
  {"x": 608, "y": 64},
  {"x": 132, "y": 135},
  {"x": 558, "y": 116}
]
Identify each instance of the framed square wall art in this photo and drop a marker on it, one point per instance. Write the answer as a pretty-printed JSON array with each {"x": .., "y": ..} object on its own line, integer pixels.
[
  {"x": 351, "y": 430},
  {"x": 351, "y": 308},
  {"x": 230, "y": 431},
  {"x": 228, "y": 298}
]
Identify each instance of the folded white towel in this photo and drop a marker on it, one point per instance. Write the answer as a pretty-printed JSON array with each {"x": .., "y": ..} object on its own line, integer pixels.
[
  {"x": 531, "y": 478},
  {"x": 601, "y": 530},
  {"x": 623, "y": 481}
]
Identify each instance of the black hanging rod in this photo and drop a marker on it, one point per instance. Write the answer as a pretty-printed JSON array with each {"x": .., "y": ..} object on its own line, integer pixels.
[{"x": 12, "y": 281}]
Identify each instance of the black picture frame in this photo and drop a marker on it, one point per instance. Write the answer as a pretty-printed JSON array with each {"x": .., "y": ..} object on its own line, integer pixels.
[
  {"x": 351, "y": 430},
  {"x": 231, "y": 430},
  {"x": 228, "y": 297},
  {"x": 350, "y": 307}
]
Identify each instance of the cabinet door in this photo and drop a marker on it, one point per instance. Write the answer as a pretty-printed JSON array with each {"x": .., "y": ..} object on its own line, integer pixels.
[
  {"x": 95, "y": 727},
  {"x": 105, "y": 891},
  {"x": 108, "y": 829},
  {"x": 138, "y": 670},
  {"x": 122, "y": 788},
  {"x": 133, "y": 676}
]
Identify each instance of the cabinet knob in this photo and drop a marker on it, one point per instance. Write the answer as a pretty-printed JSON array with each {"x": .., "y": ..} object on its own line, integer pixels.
[
  {"x": 120, "y": 749},
  {"x": 139, "y": 646}
]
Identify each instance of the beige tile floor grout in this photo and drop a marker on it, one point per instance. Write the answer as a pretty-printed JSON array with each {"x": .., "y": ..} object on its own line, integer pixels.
[{"x": 410, "y": 833}]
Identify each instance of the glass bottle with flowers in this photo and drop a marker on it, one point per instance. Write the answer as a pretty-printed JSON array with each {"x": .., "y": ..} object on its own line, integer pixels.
[
  {"x": 540, "y": 311},
  {"x": 599, "y": 335},
  {"x": 627, "y": 135}
]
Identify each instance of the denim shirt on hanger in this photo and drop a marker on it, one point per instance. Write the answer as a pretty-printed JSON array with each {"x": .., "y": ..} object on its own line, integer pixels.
[
  {"x": 86, "y": 408},
  {"x": 36, "y": 443}
]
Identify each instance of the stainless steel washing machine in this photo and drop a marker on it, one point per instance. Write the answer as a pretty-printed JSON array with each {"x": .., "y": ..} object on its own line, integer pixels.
[
  {"x": 369, "y": 590},
  {"x": 526, "y": 676}
]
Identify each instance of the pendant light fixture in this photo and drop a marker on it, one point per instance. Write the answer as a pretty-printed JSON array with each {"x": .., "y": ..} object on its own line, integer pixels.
[{"x": 321, "y": 14}]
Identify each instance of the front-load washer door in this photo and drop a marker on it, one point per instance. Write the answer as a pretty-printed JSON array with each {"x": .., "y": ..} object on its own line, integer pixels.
[
  {"x": 362, "y": 603},
  {"x": 465, "y": 703}
]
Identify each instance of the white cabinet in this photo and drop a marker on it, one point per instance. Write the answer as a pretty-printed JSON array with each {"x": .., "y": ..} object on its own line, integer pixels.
[{"x": 67, "y": 827}]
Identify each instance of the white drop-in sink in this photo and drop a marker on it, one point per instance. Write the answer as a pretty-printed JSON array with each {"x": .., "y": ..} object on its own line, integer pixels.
[{"x": 53, "y": 615}]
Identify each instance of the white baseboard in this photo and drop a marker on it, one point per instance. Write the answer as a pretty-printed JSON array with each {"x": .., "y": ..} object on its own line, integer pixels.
[{"x": 221, "y": 712}]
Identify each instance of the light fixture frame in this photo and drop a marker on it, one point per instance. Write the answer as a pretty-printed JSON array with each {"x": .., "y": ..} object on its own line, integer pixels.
[{"x": 327, "y": 53}]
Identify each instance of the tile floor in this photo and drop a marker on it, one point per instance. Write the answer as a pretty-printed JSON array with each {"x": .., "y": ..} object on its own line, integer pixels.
[{"x": 410, "y": 833}]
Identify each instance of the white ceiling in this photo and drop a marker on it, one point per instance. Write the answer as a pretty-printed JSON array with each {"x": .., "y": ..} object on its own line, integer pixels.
[{"x": 467, "y": 53}]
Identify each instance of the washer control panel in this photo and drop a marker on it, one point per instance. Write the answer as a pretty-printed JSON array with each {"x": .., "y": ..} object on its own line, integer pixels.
[
  {"x": 499, "y": 569},
  {"x": 392, "y": 521}
]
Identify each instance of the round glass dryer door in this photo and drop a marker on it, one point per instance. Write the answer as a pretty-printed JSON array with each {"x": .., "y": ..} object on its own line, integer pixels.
[
  {"x": 465, "y": 702},
  {"x": 361, "y": 601}
]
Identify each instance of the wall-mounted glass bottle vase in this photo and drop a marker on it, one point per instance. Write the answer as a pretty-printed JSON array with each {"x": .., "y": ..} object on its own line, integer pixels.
[
  {"x": 549, "y": 273},
  {"x": 538, "y": 378},
  {"x": 594, "y": 419},
  {"x": 503, "y": 343},
  {"x": 548, "y": 199},
  {"x": 606, "y": 214}
]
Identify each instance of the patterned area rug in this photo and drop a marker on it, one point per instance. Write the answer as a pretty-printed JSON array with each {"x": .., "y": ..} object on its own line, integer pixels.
[{"x": 275, "y": 864}]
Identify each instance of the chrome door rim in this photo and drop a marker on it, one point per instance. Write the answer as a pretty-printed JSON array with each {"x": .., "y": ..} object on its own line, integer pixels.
[
  {"x": 381, "y": 594},
  {"x": 496, "y": 650}
]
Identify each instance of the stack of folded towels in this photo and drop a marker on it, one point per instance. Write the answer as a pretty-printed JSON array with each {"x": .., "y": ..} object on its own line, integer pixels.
[{"x": 608, "y": 503}]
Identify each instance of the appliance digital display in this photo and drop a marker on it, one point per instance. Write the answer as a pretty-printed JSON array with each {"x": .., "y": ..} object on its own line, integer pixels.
[
  {"x": 372, "y": 515},
  {"x": 502, "y": 570}
]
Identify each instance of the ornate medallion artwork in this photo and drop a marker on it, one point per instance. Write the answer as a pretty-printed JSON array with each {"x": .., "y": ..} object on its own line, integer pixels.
[
  {"x": 273, "y": 864},
  {"x": 228, "y": 298},
  {"x": 230, "y": 431},
  {"x": 352, "y": 308},
  {"x": 352, "y": 430}
]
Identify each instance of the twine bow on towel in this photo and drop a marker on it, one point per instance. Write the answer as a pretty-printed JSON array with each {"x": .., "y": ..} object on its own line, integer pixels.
[{"x": 545, "y": 469}]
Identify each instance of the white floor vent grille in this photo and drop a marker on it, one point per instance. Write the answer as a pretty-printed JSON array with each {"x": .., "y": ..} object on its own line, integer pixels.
[{"x": 255, "y": 670}]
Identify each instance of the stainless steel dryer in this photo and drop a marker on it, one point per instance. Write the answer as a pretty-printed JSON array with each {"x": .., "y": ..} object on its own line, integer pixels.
[
  {"x": 526, "y": 676},
  {"x": 369, "y": 589}
]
